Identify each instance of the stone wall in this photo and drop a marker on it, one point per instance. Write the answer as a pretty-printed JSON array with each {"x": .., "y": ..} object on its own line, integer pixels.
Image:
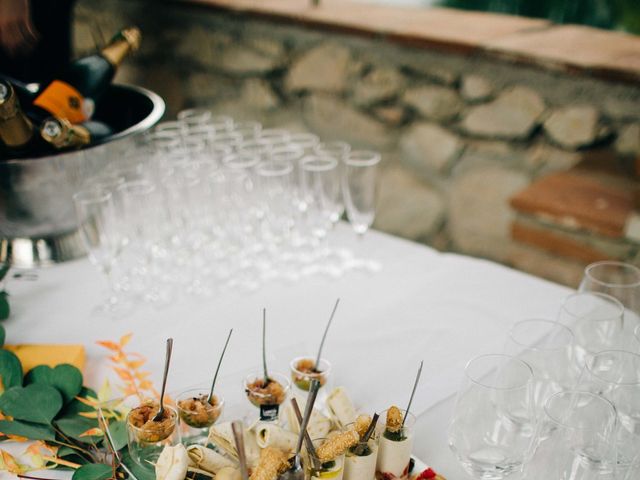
[{"x": 461, "y": 134}]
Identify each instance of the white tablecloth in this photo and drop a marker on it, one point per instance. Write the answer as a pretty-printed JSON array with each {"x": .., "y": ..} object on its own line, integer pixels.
[{"x": 442, "y": 308}]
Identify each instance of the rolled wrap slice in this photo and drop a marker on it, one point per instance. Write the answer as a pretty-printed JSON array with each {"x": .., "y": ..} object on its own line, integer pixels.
[
  {"x": 269, "y": 435},
  {"x": 222, "y": 436},
  {"x": 341, "y": 407},
  {"x": 207, "y": 459},
  {"x": 172, "y": 463},
  {"x": 319, "y": 425}
]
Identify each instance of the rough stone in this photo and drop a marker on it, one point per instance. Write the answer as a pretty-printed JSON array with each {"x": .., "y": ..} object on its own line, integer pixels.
[
  {"x": 542, "y": 264},
  {"x": 429, "y": 148},
  {"x": 332, "y": 119},
  {"x": 270, "y": 47},
  {"x": 628, "y": 142},
  {"x": 513, "y": 115},
  {"x": 573, "y": 127},
  {"x": 242, "y": 60},
  {"x": 323, "y": 68},
  {"x": 196, "y": 45},
  {"x": 543, "y": 159},
  {"x": 206, "y": 86},
  {"x": 440, "y": 75},
  {"x": 475, "y": 88},
  {"x": 407, "y": 207},
  {"x": 258, "y": 94},
  {"x": 622, "y": 110},
  {"x": 393, "y": 115},
  {"x": 434, "y": 102},
  {"x": 378, "y": 85},
  {"x": 479, "y": 213}
]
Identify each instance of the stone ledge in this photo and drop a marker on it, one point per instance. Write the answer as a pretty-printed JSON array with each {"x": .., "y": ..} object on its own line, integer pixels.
[{"x": 585, "y": 50}]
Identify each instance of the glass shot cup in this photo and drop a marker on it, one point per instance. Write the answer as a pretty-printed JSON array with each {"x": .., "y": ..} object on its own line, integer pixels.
[
  {"x": 197, "y": 415},
  {"x": 394, "y": 448},
  {"x": 360, "y": 460},
  {"x": 332, "y": 470},
  {"x": 303, "y": 371},
  {"x": 145, "y": 443},
  {"x": 267, "y": 398}
]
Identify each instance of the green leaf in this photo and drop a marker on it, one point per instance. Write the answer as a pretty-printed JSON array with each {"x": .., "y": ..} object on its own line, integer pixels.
[
  {"x": 66, "y": 378},
  {"x": 93, "y": 471},
  {"x": 74, "y": 406},
  {"x": 5, "y": 311},
  {"x": 118, "y": 432},
  {"x": 33, "y": 403},
  {"x": 75, "y": 426},
  {"x": 10, "y": 370},
  {"x": 3, "y": 336},
  {"x": 32, "y": 431}
]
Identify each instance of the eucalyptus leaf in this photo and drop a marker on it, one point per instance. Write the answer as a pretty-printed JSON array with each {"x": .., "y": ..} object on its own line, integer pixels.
[
  {"x": 33, "y": 403},
  {"x": 75, "y": 426},
  {"x": 5, "y": 310},
  {"x": 93, "y": 471},
  {"x": 10, "y": 370},
  {"x": 3, "y": 336},
  {"x": 32, "y": 431},
  {"x": 66, "y": 378},
  {"x": 75, "y": 406},
  {"x": 118, "y": 434}
]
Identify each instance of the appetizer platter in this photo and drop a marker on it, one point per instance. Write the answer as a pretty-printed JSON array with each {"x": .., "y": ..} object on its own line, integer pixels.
[{"x": 300, "y": 429}]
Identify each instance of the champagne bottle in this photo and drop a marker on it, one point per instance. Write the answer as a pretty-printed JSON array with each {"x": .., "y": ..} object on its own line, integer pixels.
[
  {"x": 62, "y": 134},
  {"x": 74, "y": 91},
  {"x": 16, "y": 130}
]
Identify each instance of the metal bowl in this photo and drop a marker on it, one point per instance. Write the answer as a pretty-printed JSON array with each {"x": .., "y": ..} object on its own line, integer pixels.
[{"x": 38, "y": 224}]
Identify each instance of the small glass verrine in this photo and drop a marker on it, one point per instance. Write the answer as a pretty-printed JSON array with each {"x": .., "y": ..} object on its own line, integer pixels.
[
  {"x": 330, "y": 470},
  {"x": 197, "y": 414},
  {"x": 360, "y": 460},
  {"x": 395, "y": 444},
  {"x": 269, "y": 397},
  {"x": 303, "y": 370},
  {"x": 147, "y": 437}
]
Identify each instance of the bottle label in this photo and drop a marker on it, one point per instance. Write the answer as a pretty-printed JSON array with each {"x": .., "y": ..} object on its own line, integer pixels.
[
  {"x": 269, "y": 413},
  {"x": 63, "y": 101}
]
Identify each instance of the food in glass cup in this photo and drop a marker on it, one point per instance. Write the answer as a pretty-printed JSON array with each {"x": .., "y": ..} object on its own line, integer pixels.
[
  {"x": 396, "y": 443},
  {"x": 330, "y": 454},
  {"x": 267, "y": 394},
  {"x": 304, "y": 369},
  {"x": 341, "y": 407},
  {"x": 360, "y": 460},
  {"x": 197, "y": 411},
  {"x": 147, "y": 437}
]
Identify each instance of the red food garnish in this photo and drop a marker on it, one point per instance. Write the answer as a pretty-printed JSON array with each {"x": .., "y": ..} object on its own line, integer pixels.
[{"x": 426, "y": 475}]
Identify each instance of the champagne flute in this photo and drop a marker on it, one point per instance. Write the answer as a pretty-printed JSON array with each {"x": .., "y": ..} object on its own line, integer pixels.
[
  {"x": 573, "y": 440},
  {"x": 491, "y": 432},
  {"x": 359, "y": 188}
]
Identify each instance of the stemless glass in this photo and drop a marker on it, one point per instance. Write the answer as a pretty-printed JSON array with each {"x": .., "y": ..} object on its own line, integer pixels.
[
  {"x": 394, "y": 448},
  {"x": 491, "y": 432},
  {"x": 548, "y": 348},
  {"x": 573, "y": 440},
  {"x": 98, "y": 227},
  {"x": 319, "y": 177},
  {"x": 197, "y": 415},
  {"x": 146, "y": 444},
  {"x": 615, "y": 374},
  {"x": 618, "y": 279},
  {"x": 359, "y": 188},
  {"x": 596, "y": 320}
]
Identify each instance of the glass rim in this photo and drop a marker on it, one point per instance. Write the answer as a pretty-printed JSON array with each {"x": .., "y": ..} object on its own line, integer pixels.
[
  {"x": 307, "y": 140},
  {"x": 333, "y": 145},
  {"x": 268, "y": 168},
  {"x": 538, "y": 348},
  {"x": 194, "y": 113},
  {"x": 562, "y": 423},
  {"x": 591, "y": 358},
  {"x": 326, "y": 371},
  {"x": 483, "y": 384},
  {"x": 374, "y": 158},
  {"x": 174, "y": 417},
  {"x": 234, "y": 161},
  {"x": 185, "y": 394},
  {"x": 604, "y": 296},
  {"x": 588, "y": 272},
  {"x": 92, "y": 195},
  {"x": 137, "y": 187},
  {"x": 327, "y": 163}
]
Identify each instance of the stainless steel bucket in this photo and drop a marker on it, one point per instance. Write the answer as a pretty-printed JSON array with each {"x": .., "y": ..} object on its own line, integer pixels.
[{"x": 37, "y": 219}]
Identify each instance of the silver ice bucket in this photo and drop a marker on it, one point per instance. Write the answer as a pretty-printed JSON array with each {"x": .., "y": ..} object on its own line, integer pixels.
[{"x": 37, "y": 219}]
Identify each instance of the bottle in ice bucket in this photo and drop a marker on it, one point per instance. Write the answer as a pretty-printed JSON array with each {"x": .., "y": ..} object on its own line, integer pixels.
[
  {"x": 62, "y": 134},
  {"x": 16, "y": 130},
  {"x": 72, "y": 94}
]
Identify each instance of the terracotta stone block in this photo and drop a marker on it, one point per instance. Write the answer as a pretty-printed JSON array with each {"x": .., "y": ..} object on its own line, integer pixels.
[{"x": 579, "y": 200}]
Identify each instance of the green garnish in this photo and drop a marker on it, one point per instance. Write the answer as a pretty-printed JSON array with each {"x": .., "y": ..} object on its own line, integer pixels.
[{"x": 395, "y": 436}]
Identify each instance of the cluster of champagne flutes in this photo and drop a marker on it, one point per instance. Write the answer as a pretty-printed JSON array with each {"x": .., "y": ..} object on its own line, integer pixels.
[
  {"x": 562, "y": 401},
  {"x": 206, "y": 202}
]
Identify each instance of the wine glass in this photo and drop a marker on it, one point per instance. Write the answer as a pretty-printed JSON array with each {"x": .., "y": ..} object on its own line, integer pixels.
[
  {"x": 573, "y": 439},
  {"x": 548, "y": 347},
  {"x": 96, "y": 217},
  {"x": 491, "y": 432},
  {"x": 618, "y": 279},
  {"x": 615, "y": 374},
  {"x": 596, "y": 320},
  {"x": 359, "y": 188}
]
